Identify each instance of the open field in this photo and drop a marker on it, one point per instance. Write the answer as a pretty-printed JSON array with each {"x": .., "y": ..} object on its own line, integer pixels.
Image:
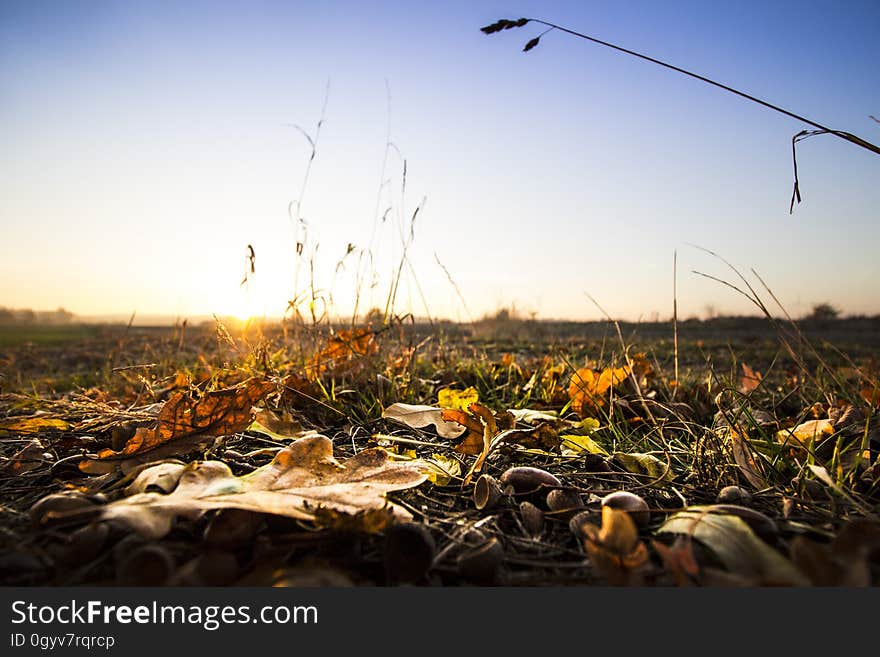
[{"x": 785, "y": 414}]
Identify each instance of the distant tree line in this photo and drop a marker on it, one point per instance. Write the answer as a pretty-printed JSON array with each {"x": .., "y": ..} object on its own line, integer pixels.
[{"x": 28, "y": 317}]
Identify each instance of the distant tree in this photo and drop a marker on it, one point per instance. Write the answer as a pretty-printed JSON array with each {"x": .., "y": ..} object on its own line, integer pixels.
[
  {"x": 62, "y": 316},
  {"x": 823, "y": 312},
  {"x": 26, "y": 316}
]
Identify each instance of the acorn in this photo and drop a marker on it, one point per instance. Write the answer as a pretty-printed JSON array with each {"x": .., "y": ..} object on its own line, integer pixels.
[
  {"x": 309, "y": 576},
  {"x": 408, "y": 553},
  {"x": 482, "y": 565},
  {"x": 577, "y": 522},
  {"x": 211, "y": 568},
  {"x": 58, "y": 508},
  {"x": 86, "y": 543},
  {"x": 631, "y": 503},
  {"x": 734, "y": 495},
  {"x": 560, "y": 499},
  {"x": 150, "y": 565},
  {"x": 532, "y": 518},
  {"x": 487, "y": 492},
  {"x": 232, "y": 529},
  {"x": 526, "y": 480}
]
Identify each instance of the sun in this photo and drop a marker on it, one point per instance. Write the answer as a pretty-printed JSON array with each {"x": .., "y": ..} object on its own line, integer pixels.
[{"x": 252, "y": 300}]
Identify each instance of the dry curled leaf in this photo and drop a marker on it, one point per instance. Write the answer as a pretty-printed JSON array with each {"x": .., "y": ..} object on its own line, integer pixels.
[
  {"x": 28, "y": 458},
  {"x": 806, "y": 433},
  {"x": 544, "y": 437},
  {"x": 485, "y": 430},
  {"x": 32, "y": 424},
  {"x": 645, "y": 464},
  {"x": 587, "y": 388},
  {"x": 418, "y": 416},
  {"x": 615, "y": 548},
  {"x": 474, "y": 440},
  {"x": 678, "y": 560},
  {"x": 745, "y": 459},
  {"x": 750, "y": 379},
  {"x": 344, "y": 351},
  {"x": 303, "y": 481},
  {"x": 732, "y": 540},
  {"x": 216, "y": 413}
]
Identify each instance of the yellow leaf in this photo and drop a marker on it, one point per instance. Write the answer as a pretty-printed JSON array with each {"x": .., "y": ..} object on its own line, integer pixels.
[
  {"x": 441, "y": 469},
  {"x": 587, "y": 388},
  {"x": 578, "y": 444},
  {"x": 619, "y": 533},
  {"x": 806, "y": 432},
  {"x": 457, "y": 399},
  {"x": 647, "y": 464},
  {"x": 33, "y": 424}
]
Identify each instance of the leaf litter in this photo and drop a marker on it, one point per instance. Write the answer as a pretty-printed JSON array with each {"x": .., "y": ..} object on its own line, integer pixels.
[{"x": 269, "y": 459}]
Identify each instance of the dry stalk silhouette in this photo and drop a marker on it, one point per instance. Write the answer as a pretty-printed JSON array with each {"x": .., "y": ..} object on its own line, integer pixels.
[{"x": 819, "y": 129}]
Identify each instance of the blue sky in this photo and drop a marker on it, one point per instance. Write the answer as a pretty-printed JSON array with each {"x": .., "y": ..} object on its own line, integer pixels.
[{"x": 145, "y": 145}]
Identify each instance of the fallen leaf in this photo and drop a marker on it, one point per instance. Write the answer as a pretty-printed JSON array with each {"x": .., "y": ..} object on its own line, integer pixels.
[
  {"x": 301, "y": 480},
  {"x": 678, "y": 560},
  {"x": 483, "y": 432},
  {"x": 807, "y": 433},
  {"x": 473, "y": 441},
  {"x": 441, "y": 469},
  {"x": 159, "y": 478},
  {"x": 871, "y": 394},
  {"x": 645, "y": 464},
  {"x": 490, "y": 430},
  {"x": 750, "y": 379},
  {"x": 279, "y": 428},
  {"x": 745, "y": 459},
  {"x": 459, "y": 399},
  {"x": 33, "y": 424},
  {"x": 825, "y": 568},
  {"x": 28, "y": 458},
  {"x": 344, "y": 350},
  {"x": 543, "y": 437},
  {"x": 615, "y": 548},
  {"x": 217, "y": 413},
  {"x": 588, "y": 387},
  {"x": 529, "y": 416},
  {"x": 735, "y": 545},
  {"x": 417, "y": 417},
  {"x": 578, "y": 444}
]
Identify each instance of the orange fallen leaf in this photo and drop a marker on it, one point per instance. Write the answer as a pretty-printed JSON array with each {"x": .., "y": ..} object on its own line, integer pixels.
[
  {"x": 678, "y": 560},
  {"x": 871, "y": 394},
  {"x": 216, "y": 413},
  {"x": 472, "y": 441},
  {"x": 482, "y": 426},
  {"x": 804, "y": 434},
  {"x": 33, "y": 424},
  {"x": 750, "y": 379},
  {"x": 28, "y": 458},
  {"x": 588, "y": 387},
  {"x": 745, "y": 459},
  {"x": 615, "y": 548},
  {"x": 642, "y": 367},
  {"x": 344, "y": 348}
]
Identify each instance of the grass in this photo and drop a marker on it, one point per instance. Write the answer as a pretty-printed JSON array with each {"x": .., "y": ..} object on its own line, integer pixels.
[
  {"x": 100, "y": 383},
  {"x": 15, "y": 335}
]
